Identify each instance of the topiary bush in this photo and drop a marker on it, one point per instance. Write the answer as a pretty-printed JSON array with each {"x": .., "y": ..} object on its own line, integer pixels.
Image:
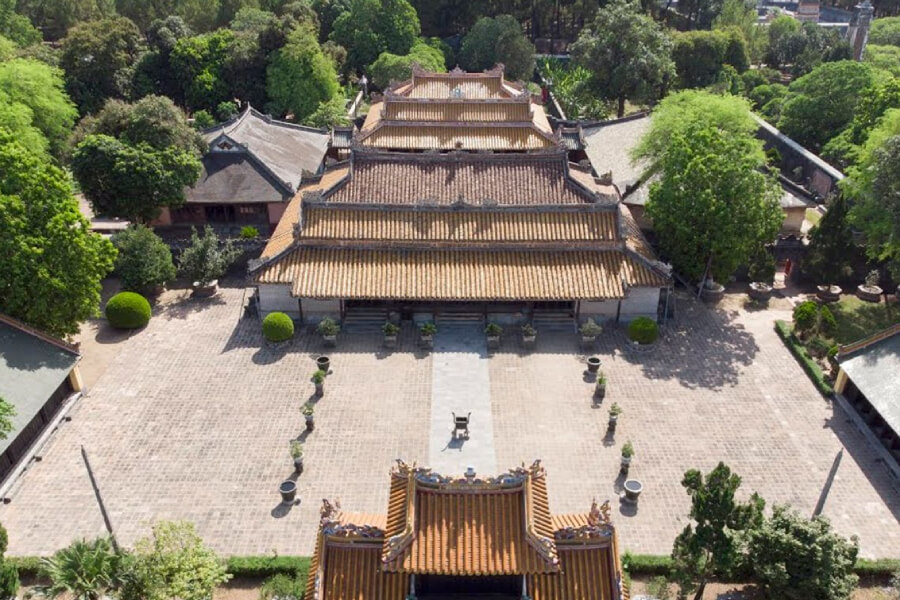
[
  {"x": 805, "y": 316},
  {"x": 277, "y": 327},
  {"x": 643, "y": 330},
  {"x": 128, "y": 310}
]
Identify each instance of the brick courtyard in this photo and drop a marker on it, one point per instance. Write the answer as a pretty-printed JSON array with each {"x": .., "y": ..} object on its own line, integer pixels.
[{"x": 192, "y": 420}]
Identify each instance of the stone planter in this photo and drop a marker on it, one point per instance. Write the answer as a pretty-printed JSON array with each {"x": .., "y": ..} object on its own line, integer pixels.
[
  {"x": 205, "y": 291},
  {"x": 593, "y": 364},
  {"x": 625, "y": 464},
  {"x": 713, "y": 293},
  {"x": 323, "y": 363},
  {"x": 427, "y": 341},
  {"x": 827, "y": 293},
  {"x": 310, "y": 422},
  {"x": 869, "y": 294},
  {"x": 390, "y": 341},
  {"x": 298, "y": 465},
  {"x": 633, "y": 489},
  {"x": 330, "y": 340},
  {"x": 760, "y": 291},
  {"x": 288, "y": 490},
  {"x": 613, "y": 421},
  {"x": 529, "y": 341},
  {"x": 493, "y": 342},
  {"x": 588, "y": 341}
]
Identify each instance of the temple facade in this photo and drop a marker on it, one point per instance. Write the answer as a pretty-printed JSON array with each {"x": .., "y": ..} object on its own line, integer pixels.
[
  {"x": 458, "y": 197},
  {"x": 444, "y": 537}
]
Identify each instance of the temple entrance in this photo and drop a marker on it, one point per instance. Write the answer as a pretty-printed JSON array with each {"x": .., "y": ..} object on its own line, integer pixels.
[{"x": 447, "y": 586}]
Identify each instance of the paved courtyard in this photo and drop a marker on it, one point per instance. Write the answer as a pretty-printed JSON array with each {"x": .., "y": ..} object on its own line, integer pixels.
[{"x": 193, "y": 416}]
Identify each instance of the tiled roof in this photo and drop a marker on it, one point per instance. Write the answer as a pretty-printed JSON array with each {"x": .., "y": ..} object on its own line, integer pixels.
[
  {"x": 283, "y": 236},
  {"x": 341, "y": 136},
  {"x": 395, "y": 178},
  {"x": 458, "y": 274},
  {"x": 337, "y": 222},
  {"x": 466, "y": 527},
  {"x": 489, "y": 84},
  {"x": 236, "y": 178},
  {"x": 456, "y": 136},
  {"x": 457, "y": 111},
  {"x": 285, "y": 148},
  {"x": 609, "y": 145}
]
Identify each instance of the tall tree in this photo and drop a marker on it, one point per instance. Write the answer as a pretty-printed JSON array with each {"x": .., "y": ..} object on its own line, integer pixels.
[
  {"x": 371, "y": 27},
  {"x": 17, "y": 27},
  {"x": 796, "y": 558},
  {"x": 627, "y": 53},
  {"x": 713, "y": 544},
  {"x": 390, "y": 67},
  {"x": 300, "y": 76},
  {"x": 34, "y": 101},
  {"x": 153, "y": 73},
  {"x": 831, "y": 246},
  {"x": 713, "y": 206},
  {"x": 51, "y": 277},
  {"x": 144, "y": 12},
  {"x": 498, "y": 40},
  {"x": 700, "y": 56},
  {"x": 198, "y": 64},
  {"x": 55, "y": 17},
  {"x": 742, "y": 15},
  {"x": 99, "y": 59}
]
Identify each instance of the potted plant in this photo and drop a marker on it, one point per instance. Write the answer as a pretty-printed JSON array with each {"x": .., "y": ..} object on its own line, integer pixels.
[
  {"x": 205, "y": 260},
  {"x": 627, "y": 454},
  {"x": 328, "y": 329},
  {"x": 589, "y": 331},
  {"x": 297, "y": 455},
  {"x": 600, "y": 387},
  {"x": 427, "y": 331},
  {"x": 493, "y": 331},
  {"x": 614, "y": 411},
  {"x": 869, "y": 290},
  {"x": 288, "y": 490},
  {"x": 318, "y": 378},
  {"x": 593, "y": 364},
  {"x": 308, "y": 413},
  {"x": 390, "y": 334},
  {"x": 633, "y": 489},
  {"x": 529, "y": 335},
  {"x": 761, "y": 270},
  {"x": 712, "y": 291}
]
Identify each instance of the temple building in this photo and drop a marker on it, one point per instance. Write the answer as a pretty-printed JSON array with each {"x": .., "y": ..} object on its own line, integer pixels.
[
  {"x": 444, "y": 537},
  {"x": 458, "y": 197}
]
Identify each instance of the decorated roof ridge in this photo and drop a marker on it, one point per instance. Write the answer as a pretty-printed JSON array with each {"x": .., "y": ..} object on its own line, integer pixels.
[
  {"x": 334, "y": 526},
  {"x": 250, "y": 111},
  {"x": 552, "y": 139},
  {"x": 315, "y": 200},
  {"x": 597, "y": 527},
  {"x": 391, "y": 98},
  {"x": 245, "y": 149},
  {"x": 847, "y": 349},
  {"x": 371, "y": 154},
  {"x": 497, "y": 71}
]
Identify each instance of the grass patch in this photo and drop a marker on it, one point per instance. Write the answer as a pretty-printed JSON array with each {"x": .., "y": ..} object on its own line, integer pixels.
[
  {"x": 785, "y": 332},
  {"x": 858, "y": 319}
]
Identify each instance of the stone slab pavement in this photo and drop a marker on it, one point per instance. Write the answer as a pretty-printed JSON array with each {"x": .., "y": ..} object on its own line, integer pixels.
[{"x": 193, "y": 416}]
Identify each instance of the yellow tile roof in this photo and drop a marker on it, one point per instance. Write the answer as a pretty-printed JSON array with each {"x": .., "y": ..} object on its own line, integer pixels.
[
  {"x": 454, "y": 136},
  {"x": 283, "y": 236},
  {"x": 457, "y": 274},
  {"x": 338, "y": 222}
]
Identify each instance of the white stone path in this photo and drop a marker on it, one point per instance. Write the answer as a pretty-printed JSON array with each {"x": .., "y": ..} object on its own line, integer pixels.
[{"x": 460, "y": 383}]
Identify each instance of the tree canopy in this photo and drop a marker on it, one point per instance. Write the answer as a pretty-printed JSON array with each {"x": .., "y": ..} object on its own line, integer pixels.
[
  {"x": 370, "y": 27},
  {"x": 831, "y": 247},
  {"x": 885, "y": 31},
  {"x": 144, "y": 261},
  {"x": 54, "y": 264},
  {"x": 55, "y": 17},
  {"x": 390, "y": 67},
  {"x": 713, "y": 206},
  {"x": 300, "y": 77},
  {"x": 498, "y": 40},
  {"x": 16, "y": 27},
  {"x": 627, "y": 54},
  {"x": 198, "y": 65},
  {"x": 700, "y": 56}
]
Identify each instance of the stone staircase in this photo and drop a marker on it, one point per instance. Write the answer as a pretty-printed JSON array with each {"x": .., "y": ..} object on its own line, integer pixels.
[
  {"x": 455, "y": 320},
  {"x": 364, "y": 320},
  {"x": 553, "y": 321}
]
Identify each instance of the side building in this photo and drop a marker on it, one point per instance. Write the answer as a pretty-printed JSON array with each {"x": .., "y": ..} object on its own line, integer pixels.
[
  {"x": 445, "y": 537},
  {"x": 458, "y": 198}
]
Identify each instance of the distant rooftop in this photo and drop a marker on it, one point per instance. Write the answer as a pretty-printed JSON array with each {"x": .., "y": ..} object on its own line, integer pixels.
[{"x": 873, "y": 365}]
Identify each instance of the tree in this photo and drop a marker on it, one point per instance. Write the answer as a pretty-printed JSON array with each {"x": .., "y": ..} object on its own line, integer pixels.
[
  {"x": 700, "y": 55},
  {"x": 144, "y": 261},
  {"x": 173, "y": 563},
  {"x": 712, "y": 206},
  {"x": 132, "y": 182},
  {"x": 831, "y": 246},
  {"x": 627, "y": 53},
  {"x": 330, "y": 114},
  {"x": 885, "y": 31},
  {"x": 33, "y": 98},
  {"x": 205, "y": 259},
  {"x": 498, "y": 40},
  {"x": 7, "y": 412},
  {"x": 99, "y": 58},
  {"x": 153, "y": 73},
  {"x": 84, "y": 570},
  {"x": 819, "y": 105},
  {"x": 886, "y": 58},
  {"x": 144, "y": 12},
  {"x": 328, "y": 11},
  {"x": 797, "y": 558},
  {"x": 390, "y": 67},
  {"x": 741, "y": 15},
  {"x": 300, "y": 76},
  {"x": 198, "y": 65},
  {"x": 9, "y": 574},
  {"x": 51, "y": 276},
  {"x": 803, "y": 46},
  {"x": 714, "y": 544},
  {"x": 54, "y": 17},
  {"x": 371, "y": 27},
  {"x": 846, "y": 148},
  {"x": 17, "y": 27},
  {"x": 785, "y": 41}
]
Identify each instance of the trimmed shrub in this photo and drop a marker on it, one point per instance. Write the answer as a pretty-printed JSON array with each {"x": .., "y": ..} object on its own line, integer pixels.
[
  {"x": 249, "y": 232},
  {"x": 643, "y": 330},
  {"x": 144, "y": 261},
  {"x": 264, "y": 566},
  {"x": 802, "y": 355},
  {"x": 277, "y": 327},
  {"x": 805, "y": 316},
  {"x": 128, "y": 310}
]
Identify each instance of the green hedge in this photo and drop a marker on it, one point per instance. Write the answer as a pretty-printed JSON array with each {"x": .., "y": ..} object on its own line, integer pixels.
[
  {"x": 799, "y": 351},
  {"x": 265, "y": 566},
  {"x": 651, "y": 565},
  {"x": 878, "y": 568},
  {"x": 646, "y": 564}
]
